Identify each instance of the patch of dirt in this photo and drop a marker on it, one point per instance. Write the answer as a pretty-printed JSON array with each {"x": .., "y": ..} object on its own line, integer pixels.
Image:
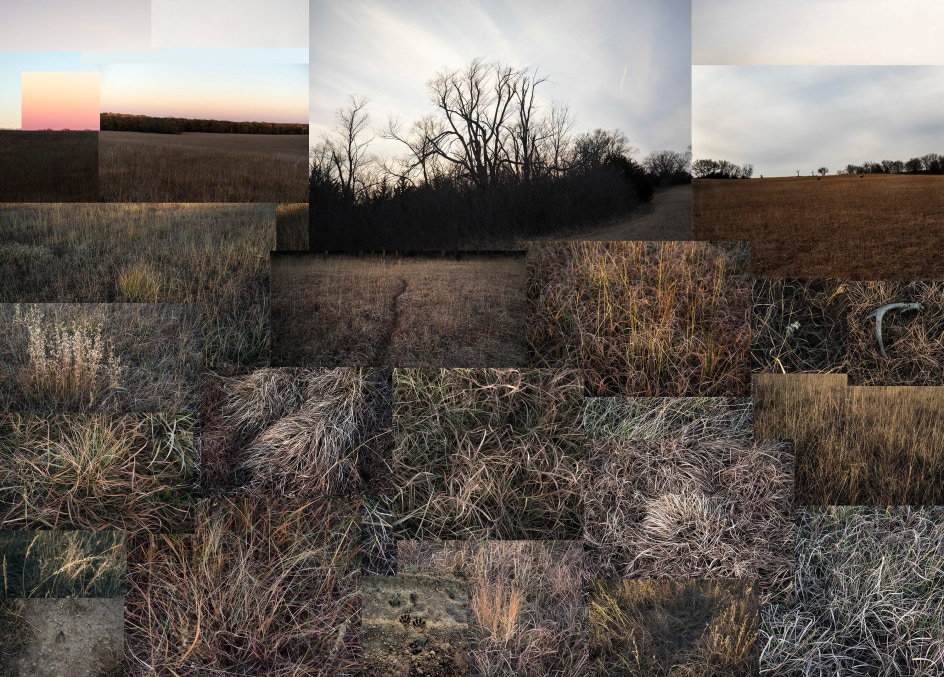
[
  {"x": 415, "y": 625},
  {"x": 383, "y": 350},
  {"x": 74, "y": 637}
]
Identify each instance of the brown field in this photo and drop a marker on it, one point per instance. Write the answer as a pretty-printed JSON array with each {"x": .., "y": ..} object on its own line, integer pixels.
[
  {"x": 877, "y": 227},
  {"x": 48, "y": 166},
  {"x": 291, "y": 227},
  {"x": 856, "y": 445},
  {"x": 398, "y": 311},
  {"x": 203, "y": 167}
]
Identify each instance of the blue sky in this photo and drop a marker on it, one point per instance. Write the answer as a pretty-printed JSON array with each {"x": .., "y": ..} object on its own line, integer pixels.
[
  {"x": 388, "y": 50},
  {"x": 785, "y": 118}
]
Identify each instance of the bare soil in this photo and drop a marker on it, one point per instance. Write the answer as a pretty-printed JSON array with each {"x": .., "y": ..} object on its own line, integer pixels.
[{"x": 415, "y": 624}]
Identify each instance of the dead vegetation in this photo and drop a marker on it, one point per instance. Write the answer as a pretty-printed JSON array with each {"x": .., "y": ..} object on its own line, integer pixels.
[
  {"x": 886, "y": 227},
  {"x": 655, "y": 319},
  {"x": 678, "y": 418}
]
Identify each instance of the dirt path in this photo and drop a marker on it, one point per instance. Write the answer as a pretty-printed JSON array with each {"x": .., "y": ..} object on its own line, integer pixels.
[
  {"x": 667, "y": 217},
  {"x": 383, "y": 350}
]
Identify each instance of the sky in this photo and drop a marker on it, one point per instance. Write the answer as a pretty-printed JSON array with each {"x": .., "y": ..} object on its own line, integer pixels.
[
  {"x": 620, "y": 64},
  {"x": 823, "y": 32},
  {"x": 787, "y": 118},
  {"x": 60, "y": 101}
]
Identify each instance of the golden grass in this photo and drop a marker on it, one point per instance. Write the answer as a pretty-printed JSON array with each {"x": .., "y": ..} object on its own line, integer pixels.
[
  {"x": 656, "y": 319},
  {"x": 877, "y": 227},
  {"x": 856, "y": 445},
  {"x": 398, "y": 311}
]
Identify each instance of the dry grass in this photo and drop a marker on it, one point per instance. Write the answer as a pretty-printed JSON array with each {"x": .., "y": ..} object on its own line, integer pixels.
[
  {"x": 202, "y": 167},
  {"x": 799, "y": 326},
  {"x": 529, "y": 612},
  {"x": 487, "y": 453},
  {"x": 656, "y": 628},
  {"x": 399, "y": 311},
  {"x": 291, "y": 227},
  {"x": 296, "y": 432},
  {"x": 96, "y": 472},
  {"x": 63, "y": 563},
  {"x": 881, "y": 227},
  {"x": 98, "y": 357},
  {"x": 679, "y": 509},
  {"x": 15, "y": 635},
  {"x": 40, "y": 166},
  {"x": 683, "y": 418},
  {"x": 215, "y": 255},
  {"x": 856, "y": 446},
  {"x": 657, "y": 319},
  {"x": 261, "y": 588},
  {"x": 870, "y": 599},
  {"x": 914, "y": 340}
]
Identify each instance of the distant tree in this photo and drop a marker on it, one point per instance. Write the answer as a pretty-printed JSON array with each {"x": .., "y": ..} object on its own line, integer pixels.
[
  {"x": 591, "y": 149},
  {"x": 702, "y": 169},
  {"x": 914, "y": 165},
  {"x": 822, "y": 171},
  {"x": 667, "y": 165},
  {"x": 932, "y": 163}
]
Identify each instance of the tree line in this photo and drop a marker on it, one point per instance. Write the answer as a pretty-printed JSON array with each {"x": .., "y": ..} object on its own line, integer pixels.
[
  {"x": 932, "y": 163},
  {"x": 720, "y": 169},
  {"x": 488, "y": 162},
  {"x": 121, "y": 122}
]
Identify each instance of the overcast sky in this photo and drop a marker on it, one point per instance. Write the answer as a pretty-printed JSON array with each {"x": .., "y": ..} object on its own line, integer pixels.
[
  {"x": 388, "y": 50},
  {"x": 824, "y": 32},
  {"x": 785, "y": 118}
]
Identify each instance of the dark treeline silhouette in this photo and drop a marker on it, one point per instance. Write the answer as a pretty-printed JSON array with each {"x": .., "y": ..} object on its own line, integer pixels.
[
  {"x": 121, "y": 122},
  {"x": 932, "y": 163},
  {"x": 487, "y": 167},
  {"x": 720, "y": 169}
]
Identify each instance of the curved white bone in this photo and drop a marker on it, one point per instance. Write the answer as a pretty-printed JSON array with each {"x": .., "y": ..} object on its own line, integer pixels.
[{"x": 879, "y": 312}]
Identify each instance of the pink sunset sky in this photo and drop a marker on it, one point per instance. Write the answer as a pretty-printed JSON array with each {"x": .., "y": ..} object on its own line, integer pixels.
[{"x": 60, "y": 101}]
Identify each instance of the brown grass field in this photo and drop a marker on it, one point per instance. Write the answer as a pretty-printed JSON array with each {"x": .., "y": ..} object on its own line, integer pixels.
[
  {"x": 203, "y": 167},
  {"x": 880, "y": 227},
  {"x": 856, "y": 445},
  {"x": 398, "y": 311},
  {"x": 291, "y": 227},
  {"x": 37, "y": 166}
]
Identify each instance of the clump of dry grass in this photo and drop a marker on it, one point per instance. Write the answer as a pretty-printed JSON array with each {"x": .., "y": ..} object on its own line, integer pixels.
[
  {"x": 856, "y": 446},
  {"x": 799, "y": 325},
  {"x": 913, "y": 339},
  {"x": 291, "y": 227},
  {"x": 297, "y": 432},
  {"x": 215, "y": 255},
  {"x": 15, "y": 635},
  {"x": 404, "y": 311},
  {"x": 529, "y": 612},
  {"x": 662, "y": 319},
  {"x": 98, "y": 357},
  {"x": 869, "y": 595},
  {"x": 487, "y": 453},
  {"x": 882, "y": 227},
  {"x": 378, "y": 546},
  {"x": 261, "y": 587},
  {"x": 678, "y": 509},
  {"x": 647, "y": 418},
  {"x": 129, "y": 472},
  {"x": 662, "y": 627}
]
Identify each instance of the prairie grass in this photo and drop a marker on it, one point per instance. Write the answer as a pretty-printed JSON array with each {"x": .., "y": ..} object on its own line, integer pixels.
[
  {"x": 869, "y": 596},
  {"x": 296, "y": 432},
  {"x": 132, "y": 472},
  {"x": 422, "y": 311},
  {"x": 202, "y": 167},
  {"x": 260, "y": 588},
  {"x": 913, "y": 339},
  {"x": 658, "y": 628},
  {"x": 291, "y": 227},
  {"x": 856, "y": 445},
  {"x": 378, "y": 544},
  {"x": 63, "y": 563},
  {"x": 46, "y": 166},
  {"x": 98, "y": 357},
  {"x": 15, "y": 635},
  {"x": 487, "y": 453},
  {"x": 213, "y": 255},
  {"x": 683, "y": 418},
  {"x": 679, "y": 509},
  {"x": 881, "y": 227},
  {"x": 799, "y": 326},
  {"x": 650, "y": 319},
  {"x": 528, "y": 607}
]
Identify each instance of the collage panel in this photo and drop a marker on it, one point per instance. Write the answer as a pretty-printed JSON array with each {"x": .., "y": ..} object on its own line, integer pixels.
[
  {"x": 291, "y": 226},
  {"x": 643, "y": 319},
  {"x": 459, "y": 309},
  {"x": 675, "y": 418}
]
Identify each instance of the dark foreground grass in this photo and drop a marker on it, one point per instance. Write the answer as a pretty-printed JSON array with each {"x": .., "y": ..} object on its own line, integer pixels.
[
  {"x": 654, "y": 319},
  {"x": 263, "y": 587},
  {"x": 487, "y": 453},
  {"x": 15, "y": 635},
  {"x": 47, "y": 166},
  {"x": 291, "y": 229},
  {"x": 646, "y": 418},
  {"x": 869, "y": 596},
  {"x": 297, "y": 432},
  {"x": 656, "y": 628}
]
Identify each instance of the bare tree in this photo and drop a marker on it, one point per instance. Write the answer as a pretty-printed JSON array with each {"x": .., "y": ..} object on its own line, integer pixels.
[
  {"x": 344, "y": 150},
  {"x": 667, "y": 164}
]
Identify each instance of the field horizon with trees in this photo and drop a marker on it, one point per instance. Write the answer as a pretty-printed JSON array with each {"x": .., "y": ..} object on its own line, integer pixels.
[{"x": 489, "y": 166}]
